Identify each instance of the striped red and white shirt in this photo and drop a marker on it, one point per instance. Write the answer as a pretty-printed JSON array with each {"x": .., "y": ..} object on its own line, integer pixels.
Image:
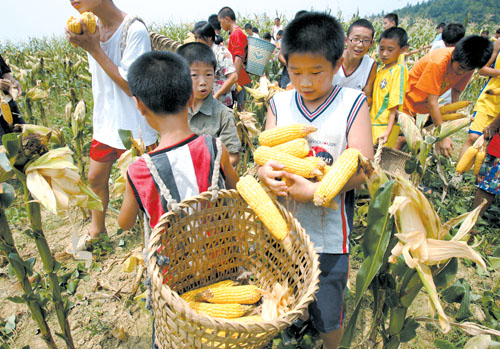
[
  {"x": 329, "y": 229},
  {"x": 186, "y": 168}
]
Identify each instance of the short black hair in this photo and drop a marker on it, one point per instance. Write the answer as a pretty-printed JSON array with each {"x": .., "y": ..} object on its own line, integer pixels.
[
  {"x": 255, "y": 30},
  {"x": 300, "y": 13},
  {"x": 498, "y": 31},
  {"x": 204, "y": 30},
  {"x": 161, "y": 80},
  {"x": 486, "y": 31},
  {"x": 280, "y": 32},
  {"x": 473, "y": 51},
  {"x": 214, "y": 22},
  {"x": 453, "y": 33},
  {"x": 393, "y": 17},
  {"x": 397, "y": 33},
  {"x": 315, "y": 33},
  {"x": 227, "y": 12},
  {"x": 441, "y": 25},
  {"x": 266, "y": 36},
  {"x": 196, "y": 52},
  {"x": 248, "y": 26},
  {"x": 364, "y": 23}
]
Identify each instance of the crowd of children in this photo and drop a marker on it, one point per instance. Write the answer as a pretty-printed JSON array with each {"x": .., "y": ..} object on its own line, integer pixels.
[{"x": 179, "y": 103}]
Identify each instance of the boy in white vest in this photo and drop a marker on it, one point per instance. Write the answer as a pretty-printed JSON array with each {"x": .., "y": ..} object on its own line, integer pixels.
[{"x": 312, "y": 46}]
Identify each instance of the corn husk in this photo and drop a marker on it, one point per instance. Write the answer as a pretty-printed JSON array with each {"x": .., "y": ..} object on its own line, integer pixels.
[
  {"x": 54, "y": 181},
  {"x": 411, "y": 132},
  {"x": 450, "y": 127},
  {"x": 422, "y": 239},
  {"x": 276, "y": 302}
]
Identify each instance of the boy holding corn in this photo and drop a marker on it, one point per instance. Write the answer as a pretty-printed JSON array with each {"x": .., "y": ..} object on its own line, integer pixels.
[
  {"x": 184, "y": 163},
  {"x": 114, "y": 108},
  {"x": 439, "y": 71},
  {"x": 312, "y": 46}
]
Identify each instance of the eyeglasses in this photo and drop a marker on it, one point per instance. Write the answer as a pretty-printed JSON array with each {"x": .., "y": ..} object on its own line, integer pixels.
[{"x": 356, "y": 41}]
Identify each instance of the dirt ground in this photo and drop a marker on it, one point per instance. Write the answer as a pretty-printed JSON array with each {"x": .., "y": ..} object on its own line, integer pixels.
[{"x": 104, "y": 312}]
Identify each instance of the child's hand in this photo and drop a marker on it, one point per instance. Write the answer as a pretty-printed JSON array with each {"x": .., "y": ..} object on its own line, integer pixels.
[
  {"x": 4, "y": 84},
  {"x": 268, "y": 174},
  {"x": 383, "y": 138},
  {"x": 89, "y": 42},
  {"x": 300, "y": 188}
]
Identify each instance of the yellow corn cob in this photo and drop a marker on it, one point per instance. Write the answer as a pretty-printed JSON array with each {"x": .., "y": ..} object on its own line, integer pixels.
[
  {"x": 293, "y": 164},
  {"x": 255, "y": 196},
  {"x": 494, "y": 91},
  {"x": 452, "y": 116},
  {"x": 450, "y": 108},
  {"x": 467, "y": 160},
  {"x": 332, "y": 183},
  {"x": 284, "y": 134},
  {"x": 480, "y": 156},
  {"x": 225, "y": 311},
  {"x": 90, "y": 21},
  {"x": 7, "y": 114},
  {"x": 315, "y": 161},
  {"x": 189, "y": 295},
  {"x": 247, "y": 294},
  {"x": 296, "y": 147},
  {"x": 74, "y": 25}
]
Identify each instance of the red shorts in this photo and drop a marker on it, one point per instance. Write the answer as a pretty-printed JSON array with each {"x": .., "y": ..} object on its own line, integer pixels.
[{"x": 104, "y": 153}]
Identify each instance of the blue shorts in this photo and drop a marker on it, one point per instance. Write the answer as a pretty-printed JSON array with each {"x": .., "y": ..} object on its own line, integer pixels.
[
  {"x": 327, "y": 311},
  {"x": 488, "y": 178}
]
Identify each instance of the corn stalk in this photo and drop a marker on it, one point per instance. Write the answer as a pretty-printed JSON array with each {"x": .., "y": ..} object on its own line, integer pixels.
[{"x": 22, "y": 269}]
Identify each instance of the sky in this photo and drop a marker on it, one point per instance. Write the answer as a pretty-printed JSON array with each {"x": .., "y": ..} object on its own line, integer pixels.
[{"x": 25, "y": 19}]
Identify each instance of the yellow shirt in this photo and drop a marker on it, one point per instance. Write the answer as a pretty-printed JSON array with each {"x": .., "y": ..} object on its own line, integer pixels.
[
  {"x": 490, "y": 104},
  {"x": 388, "y": 92}
]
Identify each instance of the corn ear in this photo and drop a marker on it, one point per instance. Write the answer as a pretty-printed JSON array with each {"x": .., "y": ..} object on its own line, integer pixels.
[
  {"x": 452, "y": 116},
  {"x": 6, "y": 112},
  {"x": 411, "y": 132},
  {"x": 296, "y": 147},
  {"x": 189, "y": 295},
  {"x": 452, "y": 107},
  {"x": 90, "y": 21},
  {"x": 332, "y": 183},
  {"x": 293, "y": 164},
  {"x": 244, "y": 294},
  {"x": 282, "y": 134},
  {"x": 225, "y": 311},
  {"x": 450, "y": 127},
  {"x": 480, "y": 156},
  {"x": 255, "y": 196},
  {"x": 74, "y": 25},
  {"x": 467, "y": 160}
]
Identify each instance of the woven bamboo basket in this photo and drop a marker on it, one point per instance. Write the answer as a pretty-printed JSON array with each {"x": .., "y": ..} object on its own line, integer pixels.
[
  {"x": 209, "y": 241},
  {"x": 162, "y": 43},
  {"x": 393, "y": 162}
]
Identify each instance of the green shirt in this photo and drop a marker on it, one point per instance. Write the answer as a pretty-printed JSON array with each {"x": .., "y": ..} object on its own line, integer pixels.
[{"x": 215, "y": 119}]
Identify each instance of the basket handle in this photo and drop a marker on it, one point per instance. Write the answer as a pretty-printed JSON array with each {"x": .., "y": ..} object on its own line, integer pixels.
[
  {"x": 378, "y": 154},
  {"x": 172, "y": 204},
  {"x": 214, "y": 188}
]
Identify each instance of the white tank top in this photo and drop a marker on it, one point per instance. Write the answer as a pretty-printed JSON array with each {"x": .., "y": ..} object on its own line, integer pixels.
[
  {"x": 358, "y": 79},
  {"x": 329, "y": 229}
]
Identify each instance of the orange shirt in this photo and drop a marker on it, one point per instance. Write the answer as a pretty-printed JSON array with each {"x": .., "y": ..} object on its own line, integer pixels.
[{"x": 432, "y": 74}]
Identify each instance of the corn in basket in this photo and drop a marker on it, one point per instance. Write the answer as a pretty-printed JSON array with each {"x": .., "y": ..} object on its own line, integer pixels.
[{"x": 207, "y": 241}]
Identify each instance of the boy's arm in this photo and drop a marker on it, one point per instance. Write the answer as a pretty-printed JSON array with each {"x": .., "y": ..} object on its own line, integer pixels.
[
  {"x": 129, "y": 210},
  {"x": 368, "y": 89},
  {"x": 390, "y": 124},
  {"x": 486, "y": 70},
  {"x": 445, "y": 146},
  {"x": 229, "y": 171},
  {"x": 490, "y": 130},
  {"x": 91, "y": 44},
  {"x": 360, "y": 138},
  {"x": 231, "y": 79}
]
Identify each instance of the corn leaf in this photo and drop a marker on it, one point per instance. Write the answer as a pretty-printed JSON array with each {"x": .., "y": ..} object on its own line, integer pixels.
[{"x": 377, "y": 237}]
